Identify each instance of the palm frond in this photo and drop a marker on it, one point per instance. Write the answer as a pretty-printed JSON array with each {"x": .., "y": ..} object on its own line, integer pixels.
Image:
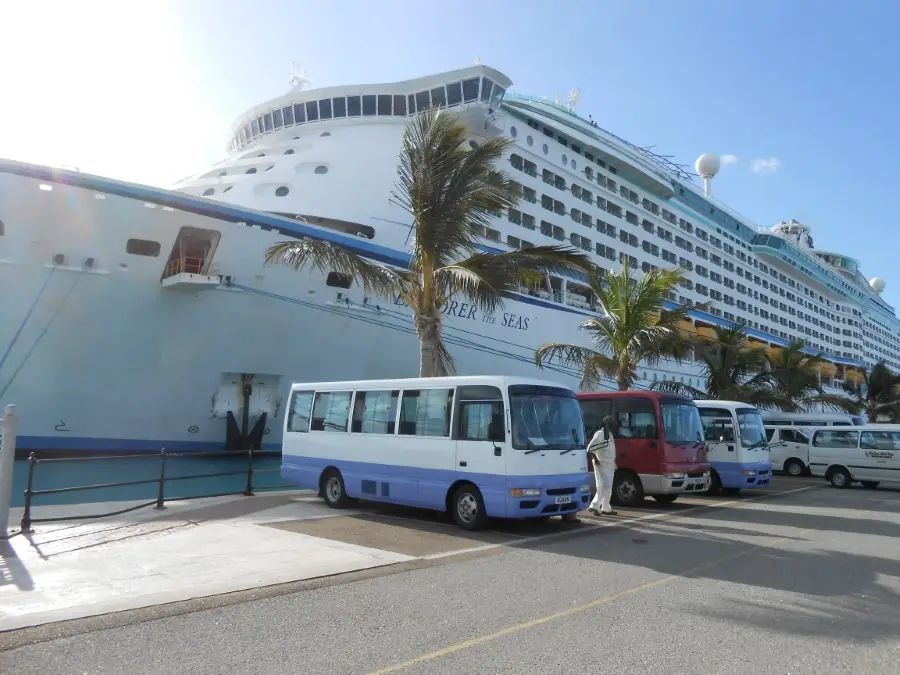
[
  {"x": 678, "y": 388},
  {"x": 327, "y": 257},
  {"x": 594, "y": 366}
]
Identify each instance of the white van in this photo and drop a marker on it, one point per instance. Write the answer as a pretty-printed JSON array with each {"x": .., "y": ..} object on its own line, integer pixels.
[
  {"x": 869, "y": 455},
  {"x": 789, "y": 449},
  {"x": 776, "y": 418}
]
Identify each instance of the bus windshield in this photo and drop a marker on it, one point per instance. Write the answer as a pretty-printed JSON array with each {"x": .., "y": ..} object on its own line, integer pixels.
[
  {"x": 681, "y": 422},
  {"x": 545, "y": 418},
  {"x": 753, "y": 434}
]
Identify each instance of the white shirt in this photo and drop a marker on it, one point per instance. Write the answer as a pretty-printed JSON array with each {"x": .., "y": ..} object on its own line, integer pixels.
[{"x": 603, "y": 449}]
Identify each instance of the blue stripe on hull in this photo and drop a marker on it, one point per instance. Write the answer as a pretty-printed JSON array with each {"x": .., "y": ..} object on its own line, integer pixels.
[
  {"x": 86, "y": 443},
  {"x": 428, "y": 488}
]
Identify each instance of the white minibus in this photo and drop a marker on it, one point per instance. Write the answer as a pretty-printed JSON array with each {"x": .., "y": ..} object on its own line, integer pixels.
[
  {"x": 476, "y": 447},
  {"x": 868, "y": 454},
  {"x": 738, "y": 450}
]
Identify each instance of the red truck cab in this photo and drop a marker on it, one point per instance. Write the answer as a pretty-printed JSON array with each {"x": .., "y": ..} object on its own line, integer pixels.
[{"x": 660, "y": 448}]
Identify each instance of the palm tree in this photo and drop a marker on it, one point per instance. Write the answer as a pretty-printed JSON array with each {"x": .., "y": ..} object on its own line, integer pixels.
[
  {"x": 795, "y": 377},
  {"x": 632, "y": 327},
  {"x": 733, "y": 370},
  {"x": 451, "y": 191},
  {"x": 880, "y": 394}
]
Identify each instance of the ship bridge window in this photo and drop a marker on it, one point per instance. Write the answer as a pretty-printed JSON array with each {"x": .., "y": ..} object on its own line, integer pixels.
[
  {"x": 254, "y": 128},
  {"x": 288, "y": 114},
  {"x": 209, "y": 191},
  {"x": 470, "y": 89},
  {"x": 312, "y": 111},
  {"x": 278, "y": 118},
  {"x": 486, "y": 85},
  {"x": 339, "y": 106},
  {"x": 422, "y": 100},
  {"x": 439, "y": 97},
  {"x": 252, "y": 169},
  {"x": 411, "y": 103},
  {"x": 354, "y": 107},
  {"x": 299, "y": 113},
  {"x": 368, "y": 104},
  {"x": 400, "y": 105},
  {"x": 325, "y": 109},
  {"x": 143, "y": 247},
  {"x": 454, "y": 93},
  {"x": 2, "y": 229},
  {"x": 267, "y": 121},
  {"x": 384, "y": 104}
]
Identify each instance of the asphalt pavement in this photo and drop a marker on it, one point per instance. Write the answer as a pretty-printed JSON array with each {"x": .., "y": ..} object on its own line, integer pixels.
[{"x": 806, "y": 581}]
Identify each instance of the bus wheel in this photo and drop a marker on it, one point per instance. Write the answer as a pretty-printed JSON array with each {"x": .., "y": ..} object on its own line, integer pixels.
[
  {"x": 715, "y": 485},
  {"x": 468, "y": 508},
  {"x": 333, "y": 491},
  {"x": 627, "y": 489},
  {"x": 794, "y": 467}
]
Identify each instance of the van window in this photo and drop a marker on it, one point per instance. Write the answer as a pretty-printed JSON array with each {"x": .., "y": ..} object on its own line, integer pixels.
[
  {"x": 770, "y": 433},
  {"x": 717, "y": 424},
  {"x": 880, "y": 440},
  {"x": 331, "y": 411},
  {"x": 835, "y": 439},
  {"x": 300, "y": 408},
  {"x": 374, "y": 412},
  {"x": 794, "y": 436},
  {"x": 593, "y": 412}
]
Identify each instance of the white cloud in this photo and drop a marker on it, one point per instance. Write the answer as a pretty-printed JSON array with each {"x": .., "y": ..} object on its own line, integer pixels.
[
  {"x": 730, "y": 159},
  {"x": 765, "y": 165}
]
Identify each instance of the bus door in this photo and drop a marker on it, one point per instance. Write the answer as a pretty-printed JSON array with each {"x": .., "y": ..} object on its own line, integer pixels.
[
  {"x": 637, "y": 442},
  {"x": 480, "y": 434}
]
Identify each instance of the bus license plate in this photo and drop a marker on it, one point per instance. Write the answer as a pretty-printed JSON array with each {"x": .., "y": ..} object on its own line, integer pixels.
[{"x": 565, "y": 499}]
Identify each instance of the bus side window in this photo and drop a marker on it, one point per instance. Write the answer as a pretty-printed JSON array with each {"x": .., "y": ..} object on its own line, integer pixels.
[
  {"x": 593, "y": 411},
  {"x": 299, "y": 412},
  {"x": 481, "y": 421}
]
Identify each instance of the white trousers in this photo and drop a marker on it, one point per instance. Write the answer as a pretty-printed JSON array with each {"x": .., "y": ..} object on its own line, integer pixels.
[{"x": 603, "y": 476}]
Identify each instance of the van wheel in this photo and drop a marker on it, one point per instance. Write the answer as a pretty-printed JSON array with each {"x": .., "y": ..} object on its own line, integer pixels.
[
  {"x": 468, "y": 508},
  {"x": 840, "y": 478},
  {"x": 794, "y": 467},
  {"x": 627, "y": 489},
  {"x": 665, "y": 499},
  {"x": 715, "y": 485},
  {"x": 870, "y": 484},
  {"x": 333, "y": 490}
]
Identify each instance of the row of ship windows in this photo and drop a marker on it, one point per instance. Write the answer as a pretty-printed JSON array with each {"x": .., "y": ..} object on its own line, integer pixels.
[
  {"x": 443, "y": 96},
  {"x": 841, "y": 284},
  {"x": 559, "y": 182}
]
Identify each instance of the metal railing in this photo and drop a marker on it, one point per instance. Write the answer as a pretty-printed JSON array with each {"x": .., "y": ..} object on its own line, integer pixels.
[
  {"x": 159, "y": 503},
  {"x": 186, "y": 265}
]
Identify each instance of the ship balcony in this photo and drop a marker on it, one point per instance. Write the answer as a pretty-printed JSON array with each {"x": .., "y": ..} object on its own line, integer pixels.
[{"x": 190, "y": 274}]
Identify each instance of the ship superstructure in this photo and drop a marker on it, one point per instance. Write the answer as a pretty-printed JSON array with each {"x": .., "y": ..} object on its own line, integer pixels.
[{"x": 146, "y": 318}]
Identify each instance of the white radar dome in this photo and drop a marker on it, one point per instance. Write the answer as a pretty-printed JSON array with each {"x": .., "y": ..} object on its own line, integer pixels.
[
  {"x": 708, "y": 165},
  {"x": 877, "y": 284}
]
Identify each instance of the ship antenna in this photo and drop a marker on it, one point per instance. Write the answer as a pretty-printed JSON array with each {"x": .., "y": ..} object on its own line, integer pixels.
[
  {"x": 298, "y": 77},
  {"x": 574, "y": 97},
  {"x": 477, "y": 60}
]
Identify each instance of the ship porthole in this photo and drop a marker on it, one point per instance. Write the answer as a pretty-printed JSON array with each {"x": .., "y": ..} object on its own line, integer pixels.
[
  {"x": 281, "y": 191},
  {"x": 321, "y": 169}
]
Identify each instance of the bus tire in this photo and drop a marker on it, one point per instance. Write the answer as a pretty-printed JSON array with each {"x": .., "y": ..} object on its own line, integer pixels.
[
  {"x": 333, "y": 491},
  {"x": 794, "y": 467},
  {"x": 664, "y": 499},
  {"x": 627, "y": 489},
  {"x": 467, "y": 507},
  {"x": 839, "y": 477},
  {"x": 715, "y": 484}
]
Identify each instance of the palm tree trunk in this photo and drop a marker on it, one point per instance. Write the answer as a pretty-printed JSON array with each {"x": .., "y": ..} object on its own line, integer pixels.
[
  {"x": 428, "y": 328},
  {"x": 621, "y": 381}
]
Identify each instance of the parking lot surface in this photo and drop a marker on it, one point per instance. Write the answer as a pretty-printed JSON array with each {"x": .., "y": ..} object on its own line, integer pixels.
[{"x": 803, "y": 581}]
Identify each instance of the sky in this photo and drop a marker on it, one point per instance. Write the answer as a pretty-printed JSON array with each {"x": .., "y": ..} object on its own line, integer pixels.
[{"x": 799, "y": 97}]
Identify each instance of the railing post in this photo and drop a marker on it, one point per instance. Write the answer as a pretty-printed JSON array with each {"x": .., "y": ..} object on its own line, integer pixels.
[
  {"x": 9, "y": 427},
  {"x": 161, "y": 495},
  {"x": 248, "y": 491},
  {"x": 29, "y": 491}
]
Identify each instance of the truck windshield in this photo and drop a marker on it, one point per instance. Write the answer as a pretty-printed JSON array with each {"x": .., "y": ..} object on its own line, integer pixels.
[
  {"x": 545, "y": 418},
  {"x": 681, "y": 422},
  {"x": 753, "y": 433}
]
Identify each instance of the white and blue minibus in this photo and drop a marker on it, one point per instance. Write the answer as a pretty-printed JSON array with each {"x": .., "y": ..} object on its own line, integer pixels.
[
  {"x": 739, "y": 455},
  {"x": 476, "y": 447}
]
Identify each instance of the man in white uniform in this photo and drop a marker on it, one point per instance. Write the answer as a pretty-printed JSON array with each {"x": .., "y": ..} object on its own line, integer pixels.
[{"x": 603, "y": 449}]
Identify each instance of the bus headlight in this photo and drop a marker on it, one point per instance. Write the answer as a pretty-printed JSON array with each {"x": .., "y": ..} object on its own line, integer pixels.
[
  {"x": 675, "y": 475},
  {"x": 585, "y": 488},
  {"x": 525, "y": 492}
]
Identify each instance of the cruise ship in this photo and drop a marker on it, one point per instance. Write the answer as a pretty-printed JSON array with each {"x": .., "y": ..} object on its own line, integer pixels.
[{"x": 137, "y": 318}]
